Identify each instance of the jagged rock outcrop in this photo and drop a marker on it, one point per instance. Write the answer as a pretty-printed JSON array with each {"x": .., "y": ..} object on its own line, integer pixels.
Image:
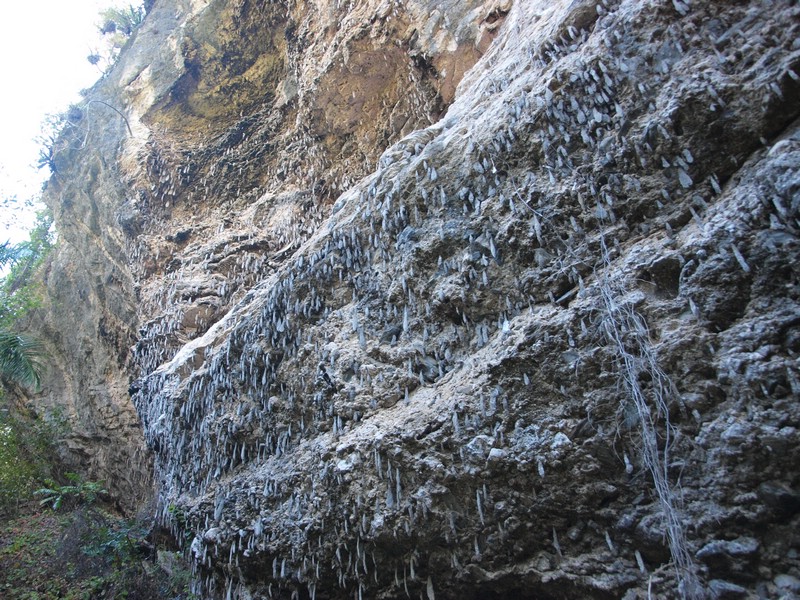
[{"x": 467, "y": 299}]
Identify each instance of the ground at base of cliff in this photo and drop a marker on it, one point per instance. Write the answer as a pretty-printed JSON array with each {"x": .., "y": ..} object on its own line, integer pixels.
[{"x": 85, "y": 553}]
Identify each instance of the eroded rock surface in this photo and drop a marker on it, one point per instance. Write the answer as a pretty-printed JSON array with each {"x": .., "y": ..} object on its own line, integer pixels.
[{"x": 413, "y": 296}]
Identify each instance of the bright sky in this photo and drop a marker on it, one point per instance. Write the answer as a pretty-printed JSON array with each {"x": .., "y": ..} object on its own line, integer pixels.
[{"x": 43, "y": 50}]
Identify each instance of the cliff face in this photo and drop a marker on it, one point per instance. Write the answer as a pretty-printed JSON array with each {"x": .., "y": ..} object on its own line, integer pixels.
[{"x": 456, "y": 299}]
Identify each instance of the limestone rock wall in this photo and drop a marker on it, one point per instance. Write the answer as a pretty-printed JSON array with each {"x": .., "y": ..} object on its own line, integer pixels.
[
  {"x": 456, "y": 299},
  {"x": 88, "y": 321},
  {"x": 204, "y": 152}
]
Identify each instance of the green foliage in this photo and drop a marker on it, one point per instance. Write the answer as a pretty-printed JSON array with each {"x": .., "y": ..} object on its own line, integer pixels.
[
  {"x": 17, "y": 471},
  {"x": 7, "y": 253},
  {"x": 122, "y": 21},
  {"x": 178, "y": 514},
  {"x": 27, "y": 451},
  {"x": 116, "y": 25},
  {"x": 118, "y": 540},
  {"x": 26, "y": 445},
  {"x": 20, "y": 358},
  {"x": 19, "y": 291},
  {"x": 76, "y": 492},
  {"x": 40, "y": 241},
  {"x": 51, "y": 128},
  {"x": 83, "y": 554},
  {"x": 69, "y": 131}
]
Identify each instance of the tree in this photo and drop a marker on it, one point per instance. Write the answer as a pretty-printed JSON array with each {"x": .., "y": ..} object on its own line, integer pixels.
[
  {"x": 19, "y": 289},
  {"x": 20, "y": 355}
]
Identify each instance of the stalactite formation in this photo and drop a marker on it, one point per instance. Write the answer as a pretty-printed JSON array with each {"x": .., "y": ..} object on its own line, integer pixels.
[{"x": 474, "y": 299}]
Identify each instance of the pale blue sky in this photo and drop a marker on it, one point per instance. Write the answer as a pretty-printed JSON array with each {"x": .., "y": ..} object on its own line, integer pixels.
[{"x": 43, "y": 50}]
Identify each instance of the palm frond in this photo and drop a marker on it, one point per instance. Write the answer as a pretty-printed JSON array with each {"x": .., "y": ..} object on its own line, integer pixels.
[{"x": 20, "y": 358}]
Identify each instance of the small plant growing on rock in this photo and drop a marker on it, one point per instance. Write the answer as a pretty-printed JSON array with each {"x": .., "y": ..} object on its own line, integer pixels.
[
  {"x": 121, "y": 20},
  {"x": 116, "y": 25}
]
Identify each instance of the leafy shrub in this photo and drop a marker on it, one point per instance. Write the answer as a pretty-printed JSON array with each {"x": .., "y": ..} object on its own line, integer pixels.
[
  {"x": 81, "y": 554},
  {"x": 17, "y": 473},
  {"x": 27, "y": 448},
  {"x": 75, "y": 492}
]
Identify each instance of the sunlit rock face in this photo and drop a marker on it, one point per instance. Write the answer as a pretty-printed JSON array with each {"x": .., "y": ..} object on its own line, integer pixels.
[{"x": 447, "y": 299}]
